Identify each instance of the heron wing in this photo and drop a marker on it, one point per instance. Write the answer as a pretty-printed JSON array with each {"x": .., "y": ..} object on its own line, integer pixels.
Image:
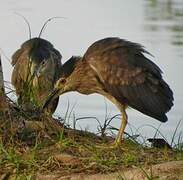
[
  {"x": 130, "y": 77},
  {"x": 16, "y": 56},
  {"x": 20, "y": 64}
]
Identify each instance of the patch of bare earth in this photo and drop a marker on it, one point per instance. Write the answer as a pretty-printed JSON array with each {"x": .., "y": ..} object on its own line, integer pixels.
[{"x": 168, "y": 170}]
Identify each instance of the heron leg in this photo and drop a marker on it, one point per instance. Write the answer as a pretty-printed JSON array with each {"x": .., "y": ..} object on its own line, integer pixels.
[
  {"x": 120, "y": 136},
  {"x": 124, "y": 121}
]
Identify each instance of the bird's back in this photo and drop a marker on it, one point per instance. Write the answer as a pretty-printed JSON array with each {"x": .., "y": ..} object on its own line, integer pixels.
[
  {"x": 31, "y": 59},
  {"x": 130, "y": 77}
]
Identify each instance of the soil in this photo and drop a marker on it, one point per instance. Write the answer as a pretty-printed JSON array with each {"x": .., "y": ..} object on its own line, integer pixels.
[
  {"x": 164, "y": 171},
  {"x": 46, "y": 149}
]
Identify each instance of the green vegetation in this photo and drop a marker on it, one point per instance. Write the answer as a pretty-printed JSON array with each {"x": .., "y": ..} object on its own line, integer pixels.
[{"x": 49, "y": 146}]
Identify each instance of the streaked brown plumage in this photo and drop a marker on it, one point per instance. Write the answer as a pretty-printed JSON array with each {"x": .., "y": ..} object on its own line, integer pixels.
[
  {"x": 118, "y": 70},
  {"x": 37, "y": 67}
]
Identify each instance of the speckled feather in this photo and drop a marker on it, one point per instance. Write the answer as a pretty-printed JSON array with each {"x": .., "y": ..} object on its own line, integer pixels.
[
  {"x": 36, "y": 50},
  {"x": 130, "y": 77}
]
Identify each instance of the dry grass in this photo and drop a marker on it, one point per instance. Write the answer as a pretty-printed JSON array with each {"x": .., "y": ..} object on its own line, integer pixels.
[{"x": 46, "y": 146}]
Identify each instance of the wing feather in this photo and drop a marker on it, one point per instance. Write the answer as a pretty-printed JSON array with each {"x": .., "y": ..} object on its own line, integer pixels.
[{"x": 130, "y": 76}]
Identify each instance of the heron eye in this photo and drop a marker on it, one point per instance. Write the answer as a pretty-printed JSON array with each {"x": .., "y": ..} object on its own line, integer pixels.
[
  {"x": 43, "y": 62},
  {"x": 62, "y": 80}
]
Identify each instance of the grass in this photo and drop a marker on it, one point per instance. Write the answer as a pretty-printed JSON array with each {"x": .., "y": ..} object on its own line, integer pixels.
[{"x": 50, "y": 146}]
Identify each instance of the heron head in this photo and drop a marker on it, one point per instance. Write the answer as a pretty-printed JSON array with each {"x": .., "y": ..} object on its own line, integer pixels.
[
  {"x": 37, "y": 58},
  {"x": 42, "y": 60},
  {"x": 67, "y": 80},
  {"x": 40, "y": 54},
  {"x": 59, "y": 88}
]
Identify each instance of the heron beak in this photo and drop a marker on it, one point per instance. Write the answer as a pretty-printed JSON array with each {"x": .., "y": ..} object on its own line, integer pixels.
[
  {"x": 54, "y": 94},
  {"x": 36, "y": 72}
]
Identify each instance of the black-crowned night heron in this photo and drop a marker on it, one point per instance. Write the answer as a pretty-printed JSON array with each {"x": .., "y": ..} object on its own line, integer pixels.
[
  {"x": 118, "y": 70},
  {"x": 37, "y": 66}
]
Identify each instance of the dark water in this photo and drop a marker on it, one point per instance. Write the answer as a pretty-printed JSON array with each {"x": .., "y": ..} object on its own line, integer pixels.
[{"x": 157, "y": 24}]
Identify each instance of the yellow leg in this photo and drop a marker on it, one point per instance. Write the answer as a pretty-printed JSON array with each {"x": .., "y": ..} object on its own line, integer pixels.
[
  {"x": 124, "y": 121},
  {"x": 120, "y": 135}
]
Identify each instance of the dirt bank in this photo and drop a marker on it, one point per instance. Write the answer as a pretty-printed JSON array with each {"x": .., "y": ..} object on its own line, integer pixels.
[{"x": 169, "y": 171}]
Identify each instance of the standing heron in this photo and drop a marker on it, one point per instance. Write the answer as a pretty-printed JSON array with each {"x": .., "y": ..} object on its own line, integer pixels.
[
  {"x": 118, "y": 70},
  {"x": 37, "y": 66}
]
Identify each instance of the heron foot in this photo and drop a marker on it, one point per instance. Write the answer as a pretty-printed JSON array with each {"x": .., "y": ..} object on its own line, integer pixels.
[{"x": 116, "y": 144}]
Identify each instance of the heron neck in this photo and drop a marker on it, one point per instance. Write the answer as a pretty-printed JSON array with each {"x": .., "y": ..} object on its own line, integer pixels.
[{"x": 85, "y": 80}]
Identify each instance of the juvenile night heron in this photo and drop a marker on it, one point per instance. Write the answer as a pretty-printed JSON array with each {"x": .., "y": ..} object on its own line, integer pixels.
[
  {"x": 37, "y": 67},
  {"x": 118, "y": 70}
]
